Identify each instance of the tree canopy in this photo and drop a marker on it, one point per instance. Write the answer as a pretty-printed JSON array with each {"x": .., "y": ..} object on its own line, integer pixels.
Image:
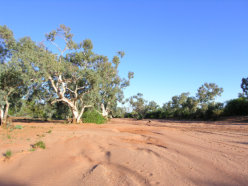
[
  {"x": 74, "y": 75},
  {"x": 244, "y": 86}
]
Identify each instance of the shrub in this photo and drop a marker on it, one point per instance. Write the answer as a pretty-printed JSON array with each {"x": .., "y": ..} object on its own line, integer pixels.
[
  {"x": 236, "y": 107},
  {"x": 157, "y": 114},
  {"x": 92, "y": 116},
  {"x": 39, "y": 144},
  {"x": 214, "y": 111},
  {"x": 8, "y": 154},
  {"x": 128, "y": 115}
]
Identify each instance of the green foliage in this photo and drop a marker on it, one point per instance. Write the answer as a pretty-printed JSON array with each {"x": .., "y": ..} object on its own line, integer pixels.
[
  {"x": 32, "y": 149},
  {"x": 155, "y": 114},
  {"x": 33, "y": 76},
  {"x": 39, "y": 144},
  {"x": 139, "y": 106},
  {"x": 92, "y": 116},
  {"x": 208, "y": 92},
  {"x": 244, "y": 86},
  {"x": 129, "y": 115},
  {"x": 60, "y": 111},
  {"x": 8, "y": 154},
  {"x": 118, "y": 112},
  {"x": 236, "y": 107},
  {"x": 181, "y": 106},
  {"x": 214, "y": 111},
  {"x": 18, "y": 127},
  {"x": 7, "y": 43},
  {"x": 31, "y": 109}
]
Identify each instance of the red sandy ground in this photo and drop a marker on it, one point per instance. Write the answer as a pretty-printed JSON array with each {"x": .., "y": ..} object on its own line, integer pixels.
[{"x": 126, "y": 152}]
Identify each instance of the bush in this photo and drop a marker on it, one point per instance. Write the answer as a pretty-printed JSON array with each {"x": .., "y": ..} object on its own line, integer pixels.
[
  {"x": 128, "y": 115},
  {"x": 92, "y": 116},
  {"x": 157, "y": 114},
  {"x": 236, "y": 107},
  {"x": 8, "y": 154},
  {"x": 39, "y": 144}
]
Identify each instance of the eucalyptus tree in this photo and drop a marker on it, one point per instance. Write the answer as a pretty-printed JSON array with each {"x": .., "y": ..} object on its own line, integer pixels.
[
  {"x": 12, "y": 79},
  {"x": 139, "y": 105},
  {"x": 207, "y": 93},
  {"x": 111, "y": 85},
  {"x": 64, "y": 80},
  {"x": 76, "y": 75},
  {"x": 7, "y": 43},
  {"x": 71, "y": 72}
]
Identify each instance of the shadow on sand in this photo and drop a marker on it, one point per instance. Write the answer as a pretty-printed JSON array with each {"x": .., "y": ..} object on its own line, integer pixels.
[{"x": 10, "y": 183}]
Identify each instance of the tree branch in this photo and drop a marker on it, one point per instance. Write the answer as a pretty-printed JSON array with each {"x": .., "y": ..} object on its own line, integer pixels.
[{"x": 53, "y": 85}]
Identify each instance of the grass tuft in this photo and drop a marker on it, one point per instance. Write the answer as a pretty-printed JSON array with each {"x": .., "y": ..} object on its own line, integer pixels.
[
  {"x": 39, "y": 144},
  {"x": 18, "y": 127}
]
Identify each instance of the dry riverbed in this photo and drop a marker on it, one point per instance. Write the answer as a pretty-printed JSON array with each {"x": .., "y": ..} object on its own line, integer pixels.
[{"x": 126, "y": 152}]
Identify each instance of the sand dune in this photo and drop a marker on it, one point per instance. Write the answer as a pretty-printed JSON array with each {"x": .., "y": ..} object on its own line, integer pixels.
[{"x": 127, "y": 152}]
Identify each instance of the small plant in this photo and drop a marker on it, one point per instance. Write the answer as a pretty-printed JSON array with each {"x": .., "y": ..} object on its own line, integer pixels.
[
  {"x": 18, "y": 127},
  {"x": 8, "y": 154},
  {"x": 32, "y": 149},
  {"x": 49, "y": 132},
  {"x": 9, "y": 137},
  {"x": 39, "y": 144}
]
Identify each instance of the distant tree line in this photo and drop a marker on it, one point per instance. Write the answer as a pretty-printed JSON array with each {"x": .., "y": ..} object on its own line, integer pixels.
[{"x": 202, "y": 106}]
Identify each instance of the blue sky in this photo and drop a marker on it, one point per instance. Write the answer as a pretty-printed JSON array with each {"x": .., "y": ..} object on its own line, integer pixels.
[{"x": 172, "y": 46}]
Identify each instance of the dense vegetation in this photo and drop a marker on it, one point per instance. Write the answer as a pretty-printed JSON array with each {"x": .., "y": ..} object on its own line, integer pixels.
[
  {"x": 93, "y": 116},
  {"x": 77, "y": 83},
  {"x": 184, "y": 106}
]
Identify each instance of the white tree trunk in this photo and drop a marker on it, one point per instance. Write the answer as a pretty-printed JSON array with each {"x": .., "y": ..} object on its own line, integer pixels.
[
  {"x": 104, "y": 111},
  {"x": 6, "y": 111},
  {"x": 75, "y": 115},
  {"x": 1, "y": 114}
]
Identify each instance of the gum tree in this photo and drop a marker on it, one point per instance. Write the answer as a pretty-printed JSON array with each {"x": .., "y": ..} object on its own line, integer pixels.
[
  {"x": 76, "y": 76},
  {"x": 208, "y": 92},
  {"x": 111, "y": 85},
  {"x": 12, "y": 78},
  {"x": 12, "y": 87},
  {"x": 139, "y": 105},
  {"x": 7, "y": 46},
  {"x": 71, "y": 73}
]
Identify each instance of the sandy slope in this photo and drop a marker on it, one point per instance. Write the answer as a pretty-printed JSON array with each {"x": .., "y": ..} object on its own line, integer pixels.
[{"x": 127, "y": 152}]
